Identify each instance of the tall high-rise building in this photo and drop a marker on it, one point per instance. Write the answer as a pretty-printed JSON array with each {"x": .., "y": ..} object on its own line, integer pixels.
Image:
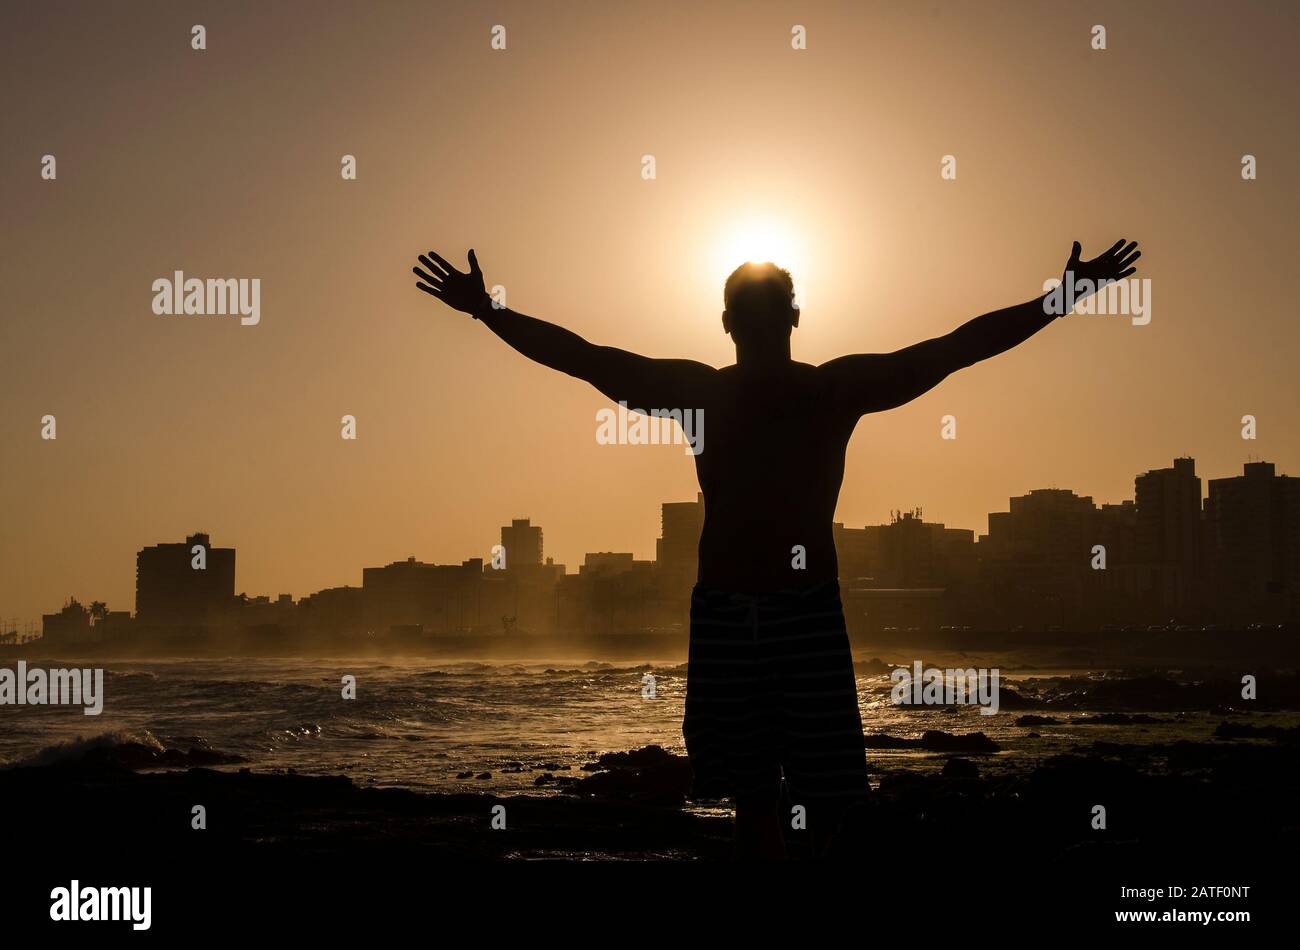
[
  {"x": 1253, "y": 535},
  {"x": 170, "y": 590},
  {"x": 1168, "y": 513},
  {"x": 1117, "y": 531},
  {"x": 523, "y": 543},
  {"x": 677, "y": 551},
  {"x": 1167, "y": 539}
]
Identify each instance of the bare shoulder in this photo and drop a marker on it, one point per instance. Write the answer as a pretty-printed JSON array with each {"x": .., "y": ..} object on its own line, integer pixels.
[
  {"x": 854, "y": 383},
  {"x": 693, "y": 371},
  {"x": 851, "y": 363},
  {"x": 858, "y": 369},
  {"x": 688, "y": 380}
]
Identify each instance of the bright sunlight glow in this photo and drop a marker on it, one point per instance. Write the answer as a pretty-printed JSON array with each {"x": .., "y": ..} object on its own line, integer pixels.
[{"x": 760, "y": 239}]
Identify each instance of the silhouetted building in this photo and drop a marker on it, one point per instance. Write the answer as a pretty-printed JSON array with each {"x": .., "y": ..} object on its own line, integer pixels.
[
  {"x": 890, "y": 614},
  {"x": 677, "y": 550},
  {"x": 1253, "y": 531},
  {"x": 908, "y": 552},
  {"x": 69, "y": 625},
  {"x": 434, "y": 598},
  {"x": 1117, "y": 531},
  {"x": 523, "y": 543},
  {"x": 907, "y": 574},
  {"x": 1117, "y": 591},
  {"x": 922, "y": 554},
  {"x": 171, "y": 591},
  {"x": 528, "y": 597},
  {"x": 113, "y": 624},
  {"x": 1035, "y": 560},
  {"x": 860, "y": 553},
  {"x": 1168, "y": 535},
  {"x": 333, "y": 612},
  {"x": 262, "y": 611},
  {"x": 613, "y": 594},
  {"x": 608, "y": 562}
]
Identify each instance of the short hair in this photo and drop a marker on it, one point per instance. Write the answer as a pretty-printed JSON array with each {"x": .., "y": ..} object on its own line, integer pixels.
[{"x": 751, "y": 273}]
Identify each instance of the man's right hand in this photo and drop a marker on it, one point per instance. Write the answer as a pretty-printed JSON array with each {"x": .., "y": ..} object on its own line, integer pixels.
[{"x": 463, "y": 292}]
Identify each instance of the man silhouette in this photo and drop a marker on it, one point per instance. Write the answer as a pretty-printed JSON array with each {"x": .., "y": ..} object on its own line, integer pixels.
[{"x": 770, "y": 689}]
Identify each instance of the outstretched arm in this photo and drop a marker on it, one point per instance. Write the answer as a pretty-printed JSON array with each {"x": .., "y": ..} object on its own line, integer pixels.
[
  {"x": 641, "y": 382},
  {"x": 871, "y": 382}
]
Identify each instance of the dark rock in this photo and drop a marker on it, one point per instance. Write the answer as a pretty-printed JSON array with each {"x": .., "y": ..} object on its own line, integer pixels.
[
  {"x": 131, "y": 754},
  {"x": 651, "y": 756},
  {"x": 1009, "y": 698},
  {"x": 960, "y": 768},
  {"x": 649, "y": 775},
  {"x": 1241, "y": 730},
  {"x": 935, "y": 740}
]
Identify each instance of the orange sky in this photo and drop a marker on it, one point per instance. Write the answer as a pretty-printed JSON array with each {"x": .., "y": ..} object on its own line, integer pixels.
[{"x": 225, "y": 163}]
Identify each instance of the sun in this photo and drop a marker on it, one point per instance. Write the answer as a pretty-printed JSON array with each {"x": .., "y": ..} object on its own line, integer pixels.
[{"x": 758, "y": 240}]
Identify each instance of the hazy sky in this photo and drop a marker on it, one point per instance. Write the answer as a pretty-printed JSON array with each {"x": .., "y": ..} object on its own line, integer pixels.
[{"x": 226, "y": 163}]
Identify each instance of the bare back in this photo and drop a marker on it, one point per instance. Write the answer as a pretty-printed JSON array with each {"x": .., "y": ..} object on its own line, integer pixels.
[{"x": 770, "y": 471}]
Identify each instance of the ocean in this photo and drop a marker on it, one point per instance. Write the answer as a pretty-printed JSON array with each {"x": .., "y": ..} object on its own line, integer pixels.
[{"x": 425, "y": 724}]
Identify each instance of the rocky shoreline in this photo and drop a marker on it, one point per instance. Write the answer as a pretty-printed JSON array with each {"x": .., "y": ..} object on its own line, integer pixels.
[{"x": 1197, "y": 800}]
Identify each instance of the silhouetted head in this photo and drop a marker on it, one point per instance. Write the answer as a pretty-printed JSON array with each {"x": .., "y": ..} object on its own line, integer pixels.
[{"x": 760, "y": 310}]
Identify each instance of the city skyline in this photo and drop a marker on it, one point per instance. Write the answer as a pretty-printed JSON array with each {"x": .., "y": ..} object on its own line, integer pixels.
[{"x": 521, "y": 535}]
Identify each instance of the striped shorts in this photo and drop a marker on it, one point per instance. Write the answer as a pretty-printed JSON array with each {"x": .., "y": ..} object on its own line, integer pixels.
[{"x": 770, "y": 693}]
